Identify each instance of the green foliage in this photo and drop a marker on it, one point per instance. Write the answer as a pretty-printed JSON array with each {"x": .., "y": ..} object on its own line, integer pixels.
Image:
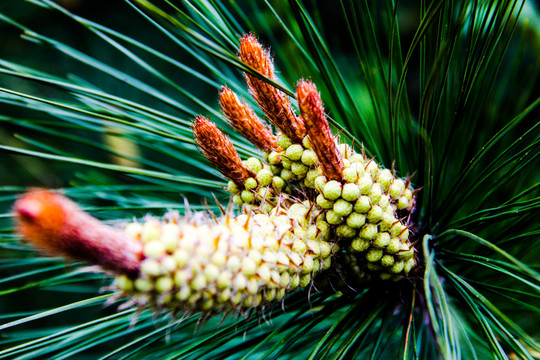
[{"x": 444, "y": 91}]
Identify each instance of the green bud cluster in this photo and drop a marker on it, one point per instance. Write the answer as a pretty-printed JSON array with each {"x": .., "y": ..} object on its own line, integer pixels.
[
  {"x": 237, "y": 263},
  {"x": 292, "y": 166},
  {"x": 360, "y": 210}
]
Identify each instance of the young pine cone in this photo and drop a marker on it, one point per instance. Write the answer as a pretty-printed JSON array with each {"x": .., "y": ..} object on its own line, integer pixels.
[{"x": 308, "y": 196}]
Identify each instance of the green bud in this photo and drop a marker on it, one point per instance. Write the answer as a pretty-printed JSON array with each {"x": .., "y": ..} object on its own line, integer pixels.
[
  {"x": 324, "y": 202},
  {"x": 143, "y": 285},
  {"x": 253, "y": 164},
  {"x": 287, "y": 175},
  {"x": 368, "y": 232},
  {"x": 384, "y": 202},
  {"x": 393, "y": 246},
  {"x": 277, "y": 183},
  {"x": 332, "y": 190},
  {"x": 350, "y": 174},
  {"x": 356, "y": 220},
  {"x": 294, "y": 152},
  {"x": 387, "y": 221},
  {"x": 309, "y": 158},
  {"x": 375, "y": 193},
  {"x": 299, "y": 169},
  {"x": 320, "y": 182},
  {"x": 333, "y": 218},
  {"x": 154, "y": 249},
  {"x": 251, "y": 183},
  {"x": 408, "y": 193},
  {"x": 345, "y": 231},
  {"x": 264, "y": 177},
  {"x": 375, "y": 214},
  {"x": 360, "y": 245},
  {"x": 276, "y": 169},
  {"x": 374, "y": 267},
  {"x": 342, "y": 207},
  {"x": 374, "y": 255},
  {"x": 404, "y": 236},
  {"x": 382, "y": 240},
  {"x": 409, "y": 265},
  {"x": 247, "y": 196},
  {"x": 306, "y": 142},
  {"x": 406, "y": 255},
  {"x": 397, "y": 188},
  {"x": 283, "y": 141},
  {"x": 397, "y": 267},
  {"x": 372, "y": 168},
  {"x": 362, "y": 205},
  {"x": 232, "y": 187},
  {"x": 365, "y": 183},
  {"x": 286, "y": 163},
  {"x": 322, "y": 224},
  {"x": 385, "y": 276},
  {"x": 124, "y": 283},
  {"x": 403, "y": 203},
  {"x": 350, "y": 192},
  {"x": 274, "y": 158},
  {"x": 164, "y": 284},
  {"x": 387, "y": 260},
  {"x": 396, "y": 229},
  {"x": 385, "y": 177}
]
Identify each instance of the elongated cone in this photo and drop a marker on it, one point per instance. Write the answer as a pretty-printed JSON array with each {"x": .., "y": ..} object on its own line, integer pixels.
[
  {"x": 244, "y": 120},
  {"x": 273, "y": 102},
  {"x": 220, "y": 151},
  {"x": 59, "y": 227},
  {"x": 320, "y": 135}
]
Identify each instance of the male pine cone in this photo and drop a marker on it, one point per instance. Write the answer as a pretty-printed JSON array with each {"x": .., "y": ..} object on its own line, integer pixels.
[{"x": 310, "y": 204}]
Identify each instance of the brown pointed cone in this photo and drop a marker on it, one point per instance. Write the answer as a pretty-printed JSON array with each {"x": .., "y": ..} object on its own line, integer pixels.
[
  {"x": 244, "y": 120},
  {"x": 320, "y": 135},
  {"x": 273, "y": 102},
  {"x": 215, "y": 146},
  {"x": 57, "y": 226}
]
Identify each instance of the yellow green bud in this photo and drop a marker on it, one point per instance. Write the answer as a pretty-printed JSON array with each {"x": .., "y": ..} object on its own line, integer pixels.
[
  {"x": 350, "y": 174},
  {"x": 294, "y": 152},
  {"x": 350, "y": 192},
  {"x": 332, "y": 190},
  {"x": 253, "y": 164},
  {"x": 365, "y": 183},
  {"x": 250, "y": 183},
  {"x": 283, "y": 141},
  {"x": 362, "y": 205},
  {"x": 385, "y": 177},
  {"x": 345, "y": 231},
  {"x": 342, "y": 207},
  {"x": 309, "y": 158},
  {"x": 360, "y": 245},
  {"x": 375, "y": 214},
  {"x": 264, "y": 177},
  {"x": 356, "y": 220}
]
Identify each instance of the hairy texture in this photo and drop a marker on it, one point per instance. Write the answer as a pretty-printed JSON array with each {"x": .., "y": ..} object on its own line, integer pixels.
[
  {"x": 232, "y": 263},
  {"x": 59, "y": 227},
  {"x": 320, "y": 135},
  {"x": 220, "y": 151},
  {"x": 273, "y": 102},
  {"x": 243, "y": 119}
]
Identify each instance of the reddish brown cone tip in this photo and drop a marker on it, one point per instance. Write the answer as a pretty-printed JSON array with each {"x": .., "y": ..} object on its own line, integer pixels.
[
  {"x": 215, "y": 146},
  {"x": 273, "y": 102},
  {"x": 320, "y": 135},
  {"x": 244, "y": 120},
  {"x": 57, "y": 226}
]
